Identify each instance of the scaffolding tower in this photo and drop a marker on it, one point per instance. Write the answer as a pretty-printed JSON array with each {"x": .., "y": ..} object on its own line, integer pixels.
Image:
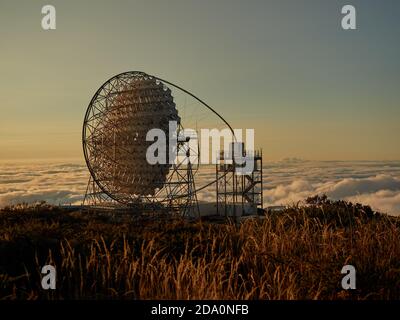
[{"x": 239, "y": 193}]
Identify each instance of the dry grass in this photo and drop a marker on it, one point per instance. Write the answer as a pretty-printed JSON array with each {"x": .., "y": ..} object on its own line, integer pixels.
[{"x": 297, "y": 254}]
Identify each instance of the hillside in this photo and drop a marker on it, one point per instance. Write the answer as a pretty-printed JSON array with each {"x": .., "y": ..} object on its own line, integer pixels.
[{"x": 296, "y": 254}]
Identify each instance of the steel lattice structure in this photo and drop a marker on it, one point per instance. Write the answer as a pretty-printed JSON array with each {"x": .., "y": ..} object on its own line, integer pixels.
[
  {"x": 117, "y": 119},
  {"x": 120, "y": 115}
]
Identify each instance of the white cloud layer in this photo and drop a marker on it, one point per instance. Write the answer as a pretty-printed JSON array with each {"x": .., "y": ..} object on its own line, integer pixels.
[
  {"x": 372, "y": 183},
  {"x": 285, "y": 182},
  {"x": 56, "y": 183}
]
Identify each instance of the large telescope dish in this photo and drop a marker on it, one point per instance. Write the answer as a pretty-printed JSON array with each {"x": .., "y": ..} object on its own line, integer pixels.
[{"x": 117, "y": 119}]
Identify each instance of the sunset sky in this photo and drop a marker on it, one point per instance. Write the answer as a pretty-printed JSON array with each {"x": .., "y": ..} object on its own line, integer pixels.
[{"x": 285, "y": 68}]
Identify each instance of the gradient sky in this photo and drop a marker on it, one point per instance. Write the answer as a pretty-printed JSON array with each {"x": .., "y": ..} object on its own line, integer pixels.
[{"x": 285, "y": 68}]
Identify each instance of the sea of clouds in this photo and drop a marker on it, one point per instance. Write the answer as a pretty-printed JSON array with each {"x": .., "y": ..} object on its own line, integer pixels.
[
  {"x": 53, "y": 182},
  {"x": 376, "y": 183}
]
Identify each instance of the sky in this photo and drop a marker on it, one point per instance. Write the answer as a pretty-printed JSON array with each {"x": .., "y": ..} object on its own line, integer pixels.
[{"x": 310, "y": 89}]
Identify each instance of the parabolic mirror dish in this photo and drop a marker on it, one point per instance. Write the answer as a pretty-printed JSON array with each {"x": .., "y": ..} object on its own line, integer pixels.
[{"x": 118, "y": 118}]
